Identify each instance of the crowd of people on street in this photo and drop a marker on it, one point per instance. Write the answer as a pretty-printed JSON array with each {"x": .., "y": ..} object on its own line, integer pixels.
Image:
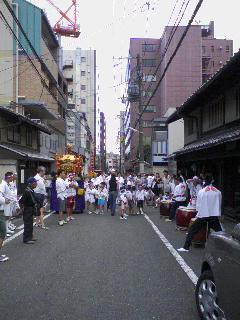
[{"x": 65, "y": 192}]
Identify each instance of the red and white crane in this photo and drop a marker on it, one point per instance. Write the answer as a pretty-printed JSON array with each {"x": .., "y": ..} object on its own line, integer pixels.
[{"x": 71, "y": 29}]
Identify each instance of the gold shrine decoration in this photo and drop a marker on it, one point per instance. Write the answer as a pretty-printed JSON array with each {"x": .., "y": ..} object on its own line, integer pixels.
[{"x": 69, "y": 161}]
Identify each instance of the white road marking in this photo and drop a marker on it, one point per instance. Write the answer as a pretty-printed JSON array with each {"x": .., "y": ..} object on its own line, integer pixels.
[
  {"x": 192, "y": 276},
  {"x": 20, "y": 232}
]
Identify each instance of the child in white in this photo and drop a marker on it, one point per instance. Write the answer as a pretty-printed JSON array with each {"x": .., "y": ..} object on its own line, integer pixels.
[
  {"x": 90, "y": 196},
  {"x": 140, "y": 197},
  {"x": 129, "y": 196},
  {"x": 124, "y": 204},
  {"x": 149, "y": 196},
  {"x": 102, "y": 197}
]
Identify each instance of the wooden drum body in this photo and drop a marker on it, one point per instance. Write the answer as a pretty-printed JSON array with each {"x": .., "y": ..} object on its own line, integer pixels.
[
  {"x": 200, "y": 238},
  {"x": 184, "y": 216},
  {"x": 165, "y": 207}
]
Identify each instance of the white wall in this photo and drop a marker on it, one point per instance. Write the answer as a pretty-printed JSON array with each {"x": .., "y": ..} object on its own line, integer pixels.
[{"x": 175, "y": 133}]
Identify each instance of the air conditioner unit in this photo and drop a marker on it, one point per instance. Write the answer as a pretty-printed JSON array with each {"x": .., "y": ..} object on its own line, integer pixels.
[{"x": 220, "y": 48}]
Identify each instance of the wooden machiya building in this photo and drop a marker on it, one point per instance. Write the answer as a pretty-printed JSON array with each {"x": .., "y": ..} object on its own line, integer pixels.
[{"x": 212, "y": 134}]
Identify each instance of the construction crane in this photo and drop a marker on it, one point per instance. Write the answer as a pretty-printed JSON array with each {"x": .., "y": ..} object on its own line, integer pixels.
[{"x": 72, "y": 29}]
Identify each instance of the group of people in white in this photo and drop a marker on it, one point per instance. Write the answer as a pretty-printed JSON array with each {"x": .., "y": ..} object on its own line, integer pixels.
[{"x": 101, "y": 193}]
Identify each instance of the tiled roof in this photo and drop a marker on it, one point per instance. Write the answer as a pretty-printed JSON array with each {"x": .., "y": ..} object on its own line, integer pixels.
[{"x": 218, "y": 138}]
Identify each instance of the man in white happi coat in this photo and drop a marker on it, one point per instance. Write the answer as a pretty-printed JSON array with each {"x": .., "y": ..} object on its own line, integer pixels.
[
  {"x": 179, "y": 198},
  {"x": 208, "y": 207}
]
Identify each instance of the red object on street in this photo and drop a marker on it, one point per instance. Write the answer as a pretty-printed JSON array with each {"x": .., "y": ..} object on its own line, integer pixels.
[{"x": 184, "y": 216}]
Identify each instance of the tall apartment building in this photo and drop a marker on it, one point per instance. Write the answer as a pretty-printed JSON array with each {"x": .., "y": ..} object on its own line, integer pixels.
[
  {"x": 102, "y": 141},
  {"x": 79, "y": 69},
  {"x": 32, "y": 86},
  {"x": 199, "y": 57}
]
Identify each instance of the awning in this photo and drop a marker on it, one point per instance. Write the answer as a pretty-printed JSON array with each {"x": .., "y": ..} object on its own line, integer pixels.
[
  {"x": 22, "y": 154},
  {"x": 216, "y": 139},
  {"x": 19, "y": 118}
]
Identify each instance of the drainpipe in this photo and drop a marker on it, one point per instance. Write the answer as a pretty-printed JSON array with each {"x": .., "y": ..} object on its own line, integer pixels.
[{"x": 17, "y": 60}]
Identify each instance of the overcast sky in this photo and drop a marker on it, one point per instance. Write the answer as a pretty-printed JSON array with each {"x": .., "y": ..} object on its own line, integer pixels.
[{"x": 107, "y": 26}]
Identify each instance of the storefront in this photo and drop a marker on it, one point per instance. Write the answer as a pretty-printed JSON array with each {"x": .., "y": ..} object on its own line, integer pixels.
[{"x": 220, "y": 156}]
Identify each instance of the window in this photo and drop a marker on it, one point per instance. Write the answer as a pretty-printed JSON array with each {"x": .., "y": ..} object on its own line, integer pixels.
[
  {"x": 83, "y": 73},
  {"x": 160, "y": 147},
  {"x": 29, "y": 137},
  {"x": 192, "y": 126},
  {"x": 149, "y": 78},
  {"x": 213, "y": 63},
  {"x": 83, "y": 59},
  {"x": 149, "y": 62},
  {"x": 83, "y": 87},
  {"x": 150, "y": 109},
  {"x": 227, "y": 49},
  {"x": 147, "y": 93},
  {"x": 83, "y": 101},
  {"x": 148, "y": 47},
  {"x": 13, "y": 134},
  {"x": 216, "y": 113},
  {"x": 203, "y": 49},
  {"x": 212, "y": 48},
  {"x": 146, "y": 123}
]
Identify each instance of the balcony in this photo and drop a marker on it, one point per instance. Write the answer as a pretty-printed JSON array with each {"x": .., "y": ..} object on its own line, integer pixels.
[{"x": 67, "y": 64}]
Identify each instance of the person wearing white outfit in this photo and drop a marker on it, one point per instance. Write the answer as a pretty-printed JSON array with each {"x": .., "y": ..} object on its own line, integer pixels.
[
  {"x": 40, "y": 194},
  {"x": 194, "y": 188},
  {"x": 140, "y": 197},
  {"x": 13, "y": 185},
  {"x": 7, "y": 192},
  {"x": 120, "y": 180},
  {"x": 3, "y": 230},
  {"x": 71, "y": 195},
  {"x": 208, "y": 208},
  {"x": 90, "y": 194},
  {"x": 180, "y": 198},
  {"x": 61, "y": 188}
]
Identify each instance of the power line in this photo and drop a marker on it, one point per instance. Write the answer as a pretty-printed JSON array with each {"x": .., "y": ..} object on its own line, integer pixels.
[
  {"x": 169, "y": 62},
  {"x": 35, "y": 53}
]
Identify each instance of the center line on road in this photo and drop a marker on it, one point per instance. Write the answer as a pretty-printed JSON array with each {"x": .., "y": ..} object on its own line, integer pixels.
[
  {"x": 176, "y": 255},
  {"x": 20, "y": 232}
]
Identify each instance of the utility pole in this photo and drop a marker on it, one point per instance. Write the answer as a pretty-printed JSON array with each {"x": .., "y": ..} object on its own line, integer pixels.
[{"x": 140, "y": 134}]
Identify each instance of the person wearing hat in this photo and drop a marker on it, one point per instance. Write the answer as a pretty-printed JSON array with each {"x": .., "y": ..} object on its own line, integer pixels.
[
  {"x": 194, "y": 187},
  {"x": 27, "y": 203}
]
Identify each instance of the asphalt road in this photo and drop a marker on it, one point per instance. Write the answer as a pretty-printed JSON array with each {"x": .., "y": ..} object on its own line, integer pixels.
[{"x": 99, "y": 267}]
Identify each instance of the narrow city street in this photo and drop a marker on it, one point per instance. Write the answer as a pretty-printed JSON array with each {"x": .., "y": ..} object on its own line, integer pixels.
[{"x": 100, "y": 267}]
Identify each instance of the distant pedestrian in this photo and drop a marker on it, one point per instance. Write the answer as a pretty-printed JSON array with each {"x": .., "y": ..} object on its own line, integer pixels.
[
  {"x": 71, "y": 195},
  {"x": 113, "y": 192},
  {"x": 27, "y": 204},
  {"x": 61, "y": 187},
  {"x": 40, "y": 194}
]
